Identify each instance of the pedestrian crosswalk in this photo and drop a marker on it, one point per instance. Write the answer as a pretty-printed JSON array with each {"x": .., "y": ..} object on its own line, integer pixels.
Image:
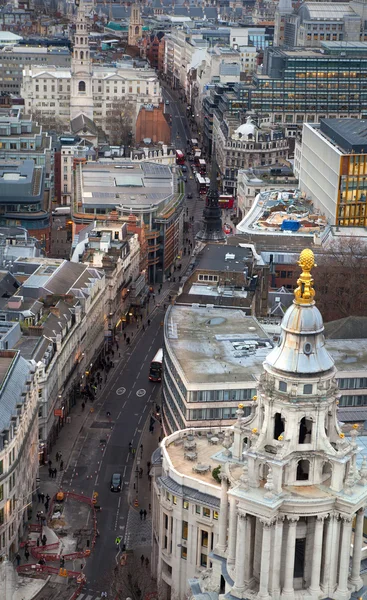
[{"x": 89, "y": 595}]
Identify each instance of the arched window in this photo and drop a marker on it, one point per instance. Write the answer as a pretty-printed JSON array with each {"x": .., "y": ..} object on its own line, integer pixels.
[
  {"x": 137, "y": 30},
  {"x": 81, "y": 55},
  {"x": 81, "y": 86},
  {"x": 305, "y": 431},
  {"x": 326, "y": 471},
  {"x": 303, "y": 470},
  {"x": 278, "y": 425}
]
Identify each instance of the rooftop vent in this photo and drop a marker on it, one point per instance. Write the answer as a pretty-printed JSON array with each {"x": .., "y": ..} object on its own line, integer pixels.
[{"x": 230, "y": 256}]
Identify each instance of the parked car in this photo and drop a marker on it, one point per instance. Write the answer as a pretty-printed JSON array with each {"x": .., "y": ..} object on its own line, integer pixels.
[
  {"x": 167, "y": 102},
  {"x": 189, "y": 196},
  {"x": 116, "y": 482}
]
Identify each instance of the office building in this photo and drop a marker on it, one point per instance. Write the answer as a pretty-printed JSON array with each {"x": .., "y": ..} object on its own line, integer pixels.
[
  {"x": 333, "y": 169},
  {"x": 273, "y": 506},
  {"x": 145, "y": 190},
  {"x": 24, "y": 199},
  {"x": 14, "y": 59}
]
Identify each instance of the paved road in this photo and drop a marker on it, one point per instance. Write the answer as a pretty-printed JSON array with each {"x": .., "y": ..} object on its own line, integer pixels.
[{"x": 129, "y": 397}]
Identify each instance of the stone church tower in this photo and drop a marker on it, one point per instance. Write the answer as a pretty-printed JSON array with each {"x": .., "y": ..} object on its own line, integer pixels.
[
  {"x": 292, "y": 526},
  {"x": 81, "y": 98},
  {"x": 135, "y": 26}
]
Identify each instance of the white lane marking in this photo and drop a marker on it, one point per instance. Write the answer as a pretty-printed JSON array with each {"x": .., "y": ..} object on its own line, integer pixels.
[
  {"x": 141, "y": 393},
  {"x": 120, "y": 391}
]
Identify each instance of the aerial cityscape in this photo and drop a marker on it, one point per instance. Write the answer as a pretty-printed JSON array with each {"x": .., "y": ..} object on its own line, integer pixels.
[{"x": 183, "y": 300}]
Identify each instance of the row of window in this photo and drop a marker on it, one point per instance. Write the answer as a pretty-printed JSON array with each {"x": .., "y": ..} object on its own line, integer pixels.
[
  {"x": 203, "y": 511},
  {"x": 353, "y": 400},
  {"x": 201, "y": 414}
]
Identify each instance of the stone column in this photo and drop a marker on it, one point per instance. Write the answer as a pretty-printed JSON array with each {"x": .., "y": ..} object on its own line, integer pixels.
[
  {"x": 317, "y": 554},
  {"x": 223, "y": 515},
  {"x": 277, "y": 557},
  {"x": 288, "y": 590},
  {"x": 265, "y": 560},
  {"x": 232, "y": 532},
  {"x": 342, "y": 589},
  {"x": 329, "y": 541},
  {"x": 356, "y": 579},
  {"x": 239, "y": 580}
]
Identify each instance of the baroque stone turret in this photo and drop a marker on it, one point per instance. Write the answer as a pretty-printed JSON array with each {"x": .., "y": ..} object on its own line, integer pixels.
[
  {"x": 81, "y": 98},
  {"x": 212, "y": 230}
]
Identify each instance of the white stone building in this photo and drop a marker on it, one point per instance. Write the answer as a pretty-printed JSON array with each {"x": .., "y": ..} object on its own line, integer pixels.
[
  {"x": 86, "y": 88},
  {"x": 18, "y": 447},
  {"x": 286, "y": 521}
]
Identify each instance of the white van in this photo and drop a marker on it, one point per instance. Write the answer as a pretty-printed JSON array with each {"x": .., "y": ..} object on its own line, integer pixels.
[{"x": 61, "y": 210}]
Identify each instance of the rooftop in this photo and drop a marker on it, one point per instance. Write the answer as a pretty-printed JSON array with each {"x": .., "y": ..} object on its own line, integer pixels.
[
  {"x": 349, "y": 134},
  {"x": 281, "y": 212},
  {"x": 216, "y": 257},
  {"x": 209, "y": 351},
  {"x": 140, "y": 185}
]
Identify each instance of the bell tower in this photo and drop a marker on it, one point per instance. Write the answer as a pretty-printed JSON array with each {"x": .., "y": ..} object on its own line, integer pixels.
[
  {"x": 135, "y": 26},
  {"x": 301, "y": 495},
  {"x": 81, "y": 98}
]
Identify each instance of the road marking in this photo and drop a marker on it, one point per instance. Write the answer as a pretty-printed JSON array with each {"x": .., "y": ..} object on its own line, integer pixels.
[
  {"x": 119, "y": 415},
  {"x": 124, "y": 473},
  {"x": 141, "y": 393},
  {"x": 120, "y": 391},
  {"x": 125, "y": 402}
]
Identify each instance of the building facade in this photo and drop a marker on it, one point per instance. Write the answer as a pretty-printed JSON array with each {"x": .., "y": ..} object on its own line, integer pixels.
[
  {"x": 18, "y": 448},
  {"x": 242, "y": 146},
  {"x": 333, "y": 169},
  {"x": 267, "y": 506}
]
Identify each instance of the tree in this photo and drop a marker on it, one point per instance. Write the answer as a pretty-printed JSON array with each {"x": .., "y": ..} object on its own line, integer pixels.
[
  {"x": 341, "y": 279},
  {"x": 48, "y": 122},
  {"x": 119, "y": 123},
  {"x": 132, "y": 580}
]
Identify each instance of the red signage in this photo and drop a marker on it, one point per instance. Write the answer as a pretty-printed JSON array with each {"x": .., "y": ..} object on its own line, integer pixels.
[{"x": 58, "y": 412}]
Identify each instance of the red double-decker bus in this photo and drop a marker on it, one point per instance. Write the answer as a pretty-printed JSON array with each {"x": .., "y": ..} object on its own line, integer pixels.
[
  {"x": 202, "y": 166},
  {"x": 203, "y": 184},
  {"x": 226, "y": 201},
  {"x": 180, "y": 158}
]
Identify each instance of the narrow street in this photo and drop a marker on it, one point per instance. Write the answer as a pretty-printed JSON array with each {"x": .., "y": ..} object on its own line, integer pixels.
[{"x": 130, "y": 398}]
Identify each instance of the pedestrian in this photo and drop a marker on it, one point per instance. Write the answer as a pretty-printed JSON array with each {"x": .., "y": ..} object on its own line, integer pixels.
[
  {"x": 128, "y": 340},
  {"x": 61, "y": 465},
  {"x": 48, "y": 498},
  {"x": 148, "y": 322},
  {"x": 42, "y": 498},
  {"x": 37, "y": 542},
  {"x": 55, "y": 472},
  {"x": 141, "y": 514},
  {"x": 57, "y": 457},
  {"x": 44, "y": 540},
  {"x": 125, "y": 336},
  {"x": 83, "y": 406},
  {"x": 142, "y": 559},
  {"x": 62, "y": 562},
  {"x": 49, "y": 472},
  {"x": 140, "y": 473},
  {"x": 39, "y": 497},
  {"x": 147, "y": 562},
  {"x": 46, "y": 505},
  {"x": 141, "y": 450},
  {"x": 143, "y": 327},
  {"x": 50, "y": 463},
  {"x": 130, "y": 446},
  {"x": 18, "y": 559},
  {"x": 145, "y": 514},
  {"x": 26, "y": 546},
  {"x": 26, "y": 554},
  {"x": 38, "y": 516}
]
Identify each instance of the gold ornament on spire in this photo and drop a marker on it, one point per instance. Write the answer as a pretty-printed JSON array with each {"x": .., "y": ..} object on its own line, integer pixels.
[{"x": 304, "y": 293}]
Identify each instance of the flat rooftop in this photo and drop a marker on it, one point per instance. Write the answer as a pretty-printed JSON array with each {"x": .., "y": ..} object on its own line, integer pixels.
[
  {"x": 137, "y": 185},
  {"x": 273, "y": 211},
  {"x": 350, "y": 135},
  {"x": 216, "y": 345},
  {"x": 220, "y": 257}
]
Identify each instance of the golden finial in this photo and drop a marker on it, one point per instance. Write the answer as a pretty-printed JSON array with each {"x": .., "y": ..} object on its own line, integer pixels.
[{"x": 304, "y": 293}]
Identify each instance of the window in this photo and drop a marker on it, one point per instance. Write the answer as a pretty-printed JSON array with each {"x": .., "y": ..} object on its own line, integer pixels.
[
  {"x": 2, "y": 521},
  {"x": 203, "y": 277},
  {"x": 197, "y": 509},
  {"x": 186, "y": 505},
  {"x": 1, "y": 492},
  {"x": 203, "y": 560},
  {"x": 282, "y": 386},
  {"x": 307, "y": 388},
  {"x": 206, "y": 512},
  {"x": 174, "y": 499},
  {"x": 185, "y": 529},
  {"x": 215, "y": 515},
  {"x": 168, "y": 496},
  {"x": 81, "y": 86},
  {"x": 204, "y": 539},
  {"x": 303, "y": 469},
  {"x": 183, "y": 552}
]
